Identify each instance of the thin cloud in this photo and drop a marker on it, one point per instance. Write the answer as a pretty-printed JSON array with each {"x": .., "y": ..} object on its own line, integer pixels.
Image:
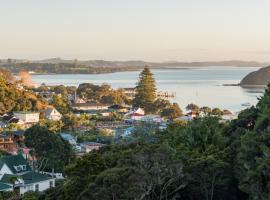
[{"x": 259, "y": 52}]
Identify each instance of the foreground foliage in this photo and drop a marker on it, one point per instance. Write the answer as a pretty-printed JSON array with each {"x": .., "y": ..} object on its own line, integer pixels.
[
  {"x": 203, "y": 159},
  {"x": 52, "y": 153}
]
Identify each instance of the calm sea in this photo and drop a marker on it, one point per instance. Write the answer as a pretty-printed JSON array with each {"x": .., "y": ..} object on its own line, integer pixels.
[{"x": 203, "y": 86}]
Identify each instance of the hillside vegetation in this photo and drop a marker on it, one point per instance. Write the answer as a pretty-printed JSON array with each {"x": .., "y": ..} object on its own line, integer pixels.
[
  {"x": 14, "y": 99},
  {"x": 204, "y": 159}
]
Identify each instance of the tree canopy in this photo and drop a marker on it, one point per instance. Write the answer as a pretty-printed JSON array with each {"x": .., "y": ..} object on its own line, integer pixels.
[
  {"x": 102, "y": 94},
  {"x": 145, "y": 90},
  {"x": 13, "y": 99},
  {"x": 203, "y": 159},
  {"x": 51, "y": 151}
]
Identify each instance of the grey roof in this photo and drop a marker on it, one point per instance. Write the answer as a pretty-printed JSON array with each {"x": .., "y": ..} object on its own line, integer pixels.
[
  {"x": 28, "y": 178},
  {"x": 92, "y": 143},
  {"x": 67, "y": 136},
  {"x": 49, "y": 111}
]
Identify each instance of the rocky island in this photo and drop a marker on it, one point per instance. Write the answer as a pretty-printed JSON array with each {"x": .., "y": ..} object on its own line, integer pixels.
[{"x": 257, "y": 78}]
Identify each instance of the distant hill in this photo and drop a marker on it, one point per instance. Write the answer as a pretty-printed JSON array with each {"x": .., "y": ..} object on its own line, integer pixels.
[
  {"x": 260, "y": 77},
  {"x": 60, "y": 66},
  {"x": 139, "y": 63}
]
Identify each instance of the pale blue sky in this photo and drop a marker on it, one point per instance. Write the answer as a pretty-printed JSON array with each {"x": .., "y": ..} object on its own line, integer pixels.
[{"x": 153, "y": 30}]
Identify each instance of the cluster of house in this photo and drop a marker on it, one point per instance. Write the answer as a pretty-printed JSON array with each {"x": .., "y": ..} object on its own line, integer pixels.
[
  {"x": 137, "y": 114},
  {"x": 27, "y": 119},
  {"x": 11, "y": 142},
  {"x": 193, "y": 114},
  {"x": 83, "y": 147},
  {"x": 17, "y": 175}
]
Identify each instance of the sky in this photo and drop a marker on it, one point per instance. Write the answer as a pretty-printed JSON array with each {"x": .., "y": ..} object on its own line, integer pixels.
[{"x": 150, "y": 30}]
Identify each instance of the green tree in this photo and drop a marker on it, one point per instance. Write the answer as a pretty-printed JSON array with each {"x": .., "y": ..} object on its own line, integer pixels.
[
  {"x": 172, "y": 112},
  {"x": 102, "y": 94},
  {"x": 145, "y": 91},
  {"x": 217, "y": 112},
  {"x": 193, "y": 107},
  {"x": 206, "y": 110},
  {"x": 31, "y": 196},
  {"x": 90, "y": 165},
  {"x": 253, "y": 153},
  {"x": 51, "y": 151},
  {"x": 151, "y": 174},
  {"x": 63, "y": 105},
  {"x": 61, "y": 89},
  {"x": 204, "y": 150},
  {"x": 263, "y": 108},
  {"x": 54, "y": 126},
  {"x": 9, "y": 195}
]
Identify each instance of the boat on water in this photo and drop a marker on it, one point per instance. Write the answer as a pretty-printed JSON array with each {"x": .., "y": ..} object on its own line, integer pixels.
[{"x": 247, "y": 104}]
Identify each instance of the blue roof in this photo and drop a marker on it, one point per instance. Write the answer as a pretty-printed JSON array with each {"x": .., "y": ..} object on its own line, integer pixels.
[
  {"x": 18, "y": 133},
  {"x": 67, "y": 136}
]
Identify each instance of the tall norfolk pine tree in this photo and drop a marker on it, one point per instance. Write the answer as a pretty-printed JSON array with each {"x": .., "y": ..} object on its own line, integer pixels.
[{"x": 145, "y": 90}]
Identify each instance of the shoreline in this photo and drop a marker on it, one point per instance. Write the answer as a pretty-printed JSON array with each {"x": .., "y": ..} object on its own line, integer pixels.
[{"x": 136, "y": 69}]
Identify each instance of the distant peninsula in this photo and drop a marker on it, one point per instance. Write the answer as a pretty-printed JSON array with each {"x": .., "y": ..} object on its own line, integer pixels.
[
  {"x": 61, "y": 66},
  {"x": 257, "y": 78}
]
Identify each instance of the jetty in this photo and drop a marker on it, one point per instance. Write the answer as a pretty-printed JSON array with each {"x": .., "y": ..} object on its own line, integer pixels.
[
  {"x": 131, "y": 92},
  {"x": 166, "y": 95}
]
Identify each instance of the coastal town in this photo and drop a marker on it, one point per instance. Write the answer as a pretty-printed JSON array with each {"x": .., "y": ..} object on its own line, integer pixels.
[
  {"x": 134, "y": 100},
  {"x": 87, "y": 118}
]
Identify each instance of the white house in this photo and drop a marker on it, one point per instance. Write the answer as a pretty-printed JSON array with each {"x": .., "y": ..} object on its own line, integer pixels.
[
  {"x": 135, "y": 114},
  {"x": 52, "y": 114},
  {"x": 27, "y": 117},
  {"x": 16, "y": 173},
  {"x": 139, "y": 111},
  {"x": 152, "y": 118},
  {"x": 90, "y": 146}
]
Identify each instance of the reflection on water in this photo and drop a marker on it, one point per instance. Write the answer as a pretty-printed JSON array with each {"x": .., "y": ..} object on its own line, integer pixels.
[
  {"x": 254, "y": 90},
  {"x": 203, "y": 86}
]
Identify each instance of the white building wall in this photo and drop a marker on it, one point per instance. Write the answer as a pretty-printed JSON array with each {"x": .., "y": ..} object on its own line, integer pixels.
[
  {"x": 5, "y": 170},
  {"x": 27, "y": 117},
  {"x": 44, "y": 185},
  {"x": 54, "y": 115}
]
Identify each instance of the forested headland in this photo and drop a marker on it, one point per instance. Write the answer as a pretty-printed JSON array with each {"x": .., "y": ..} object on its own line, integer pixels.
[{"x": 62, "y": 68}]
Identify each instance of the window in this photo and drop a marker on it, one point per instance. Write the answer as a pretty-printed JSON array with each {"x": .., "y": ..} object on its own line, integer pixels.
[
  {"x": 37, "y": 187},
  {"x": 17, "y": 168},
  {"x": 29, "y": 188},
  {"x": 51, "y": 184},
  {"x": 20, "y": 168}
]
